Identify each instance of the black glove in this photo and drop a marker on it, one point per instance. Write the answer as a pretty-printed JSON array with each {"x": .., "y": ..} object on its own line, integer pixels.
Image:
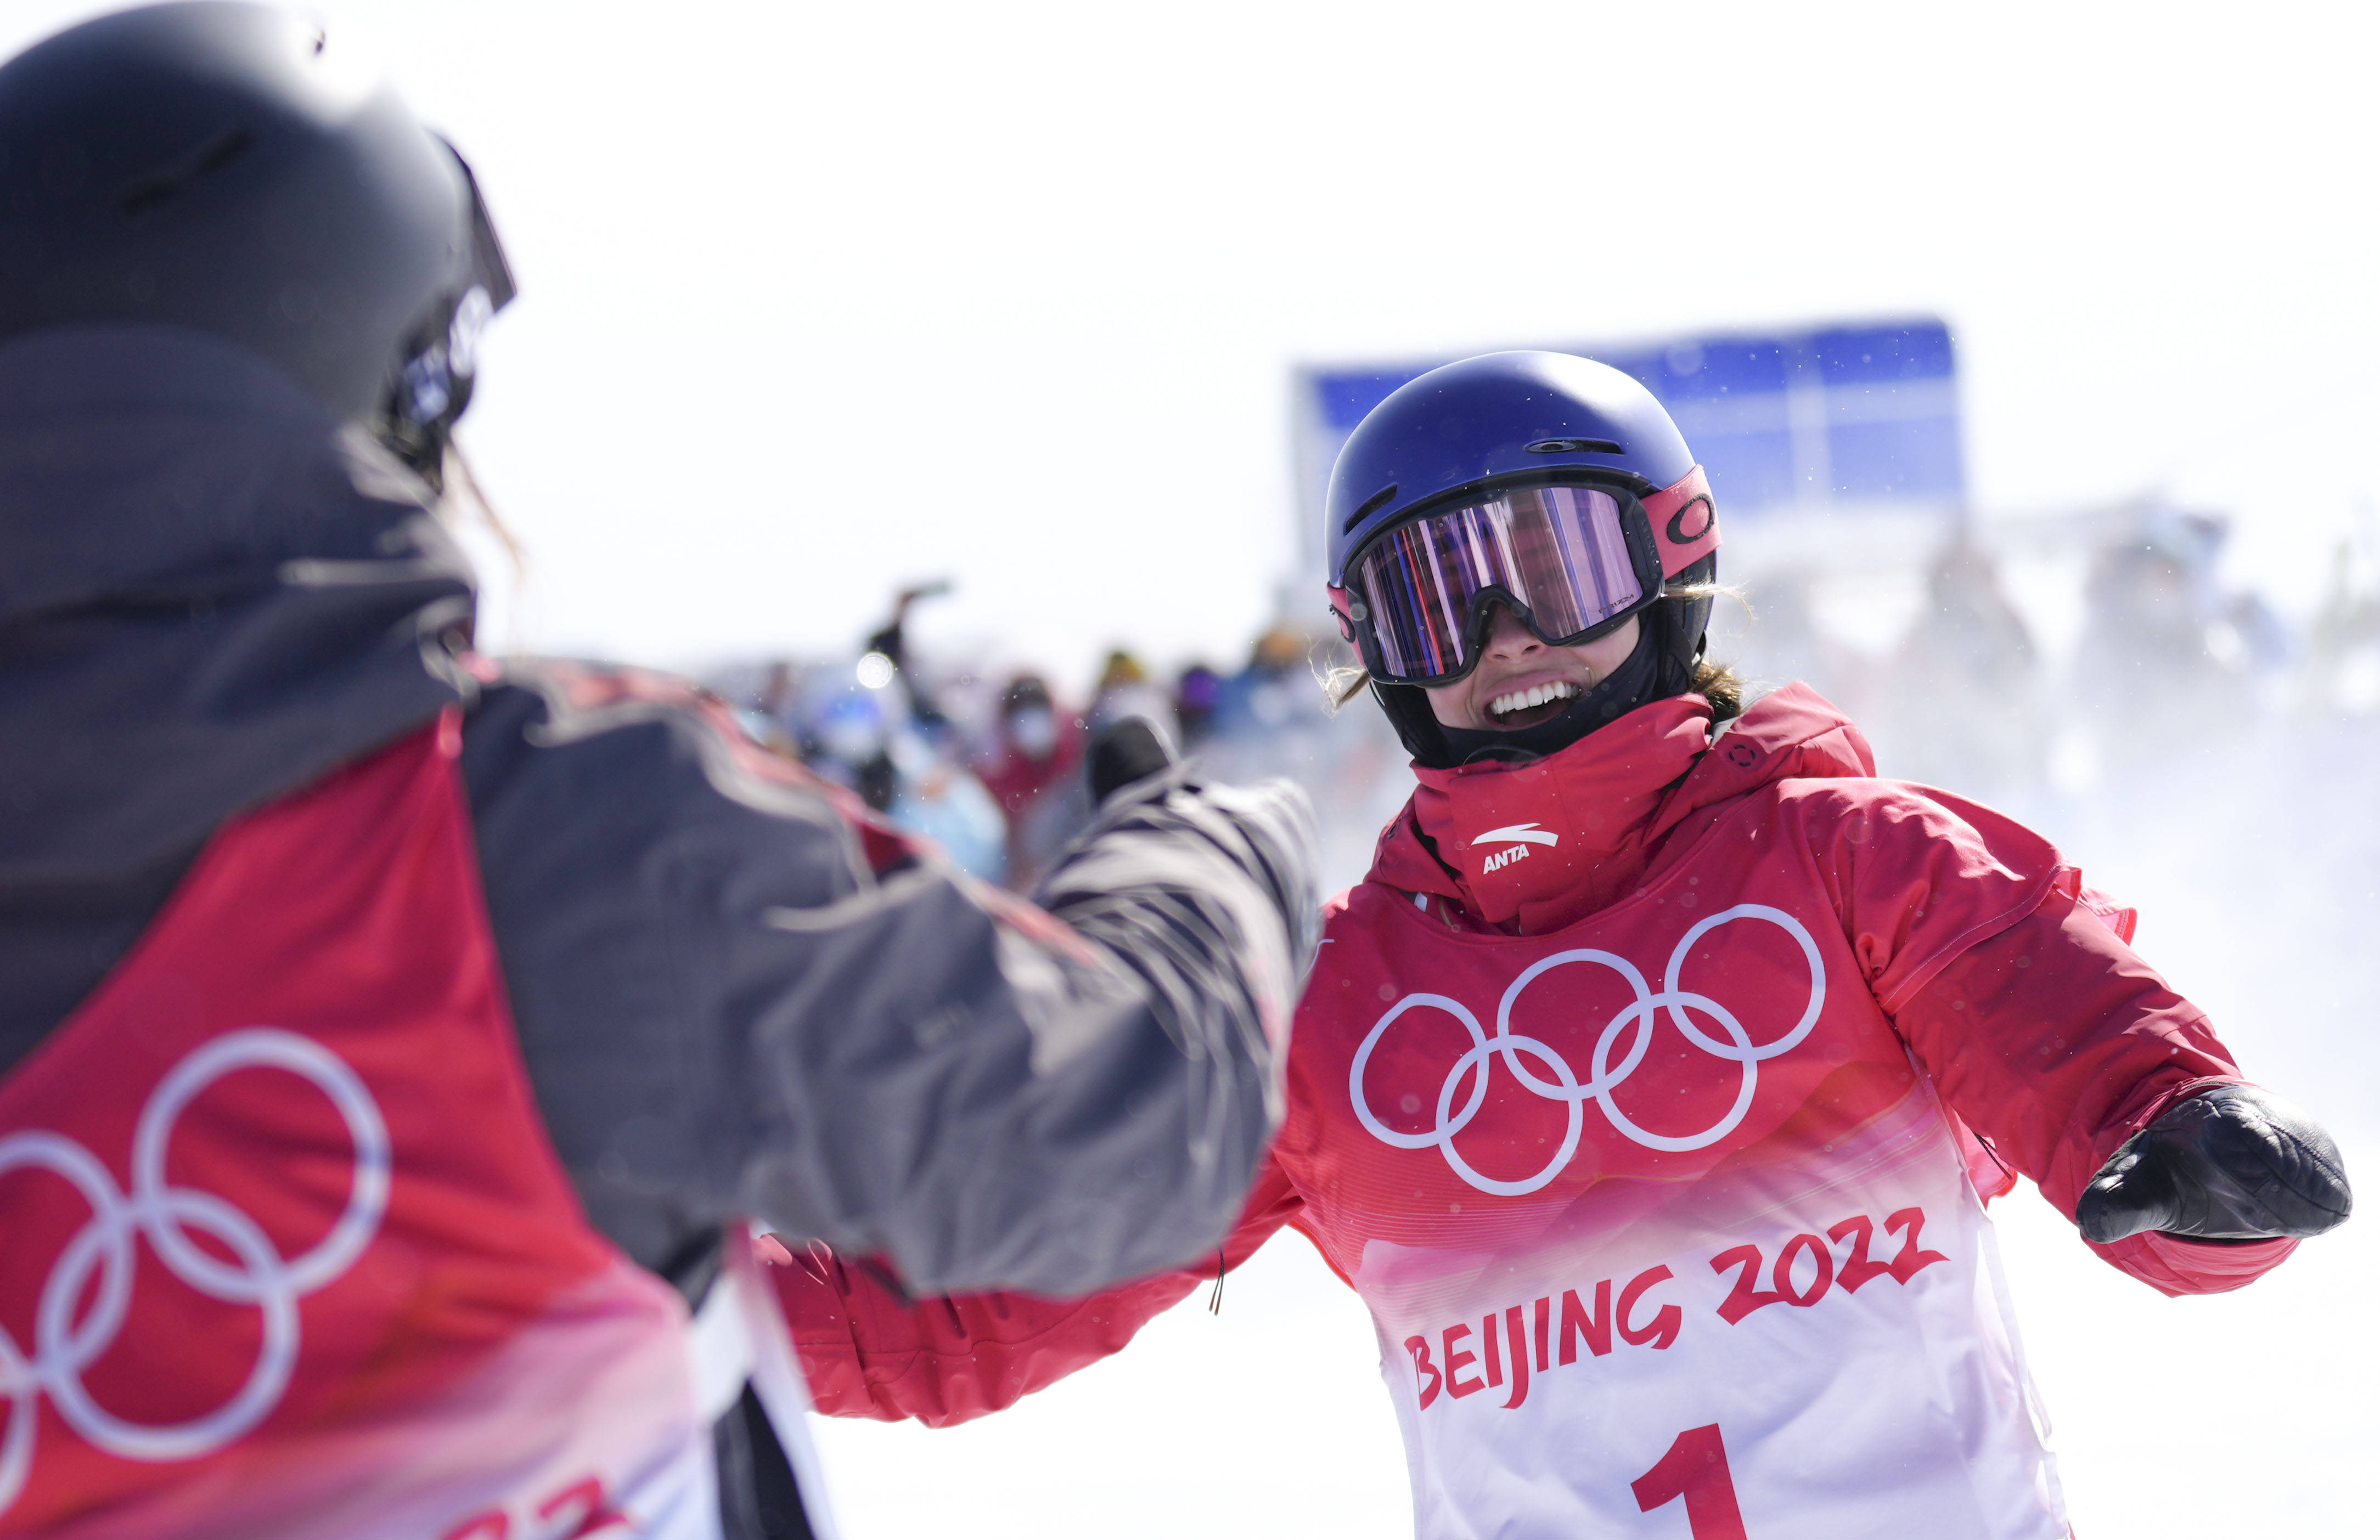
[
  {"x": 2230, "y": 1164},
  {"x": 1129, "y": 749}
]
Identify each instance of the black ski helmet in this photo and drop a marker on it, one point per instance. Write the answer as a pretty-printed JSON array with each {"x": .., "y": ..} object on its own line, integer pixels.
[
  {"x": 210, "y": 164},
  {"x": 1471, "y": 428}
]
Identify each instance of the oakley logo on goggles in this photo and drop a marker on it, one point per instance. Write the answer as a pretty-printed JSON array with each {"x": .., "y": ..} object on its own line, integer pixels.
[{"x": 1572, "y": 561}]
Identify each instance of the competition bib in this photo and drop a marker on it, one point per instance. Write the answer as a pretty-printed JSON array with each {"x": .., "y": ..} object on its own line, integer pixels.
[{"x": 1663, "y": 1233}]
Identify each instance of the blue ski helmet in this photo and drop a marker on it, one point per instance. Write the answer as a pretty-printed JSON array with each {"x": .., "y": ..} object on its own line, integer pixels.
[
  {"x": 213, "y": 165},
  {"x": 1488, "y": 433}
]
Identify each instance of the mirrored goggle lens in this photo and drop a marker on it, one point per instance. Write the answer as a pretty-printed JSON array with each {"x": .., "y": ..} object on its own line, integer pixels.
[{"x": 1561, "y": 551}]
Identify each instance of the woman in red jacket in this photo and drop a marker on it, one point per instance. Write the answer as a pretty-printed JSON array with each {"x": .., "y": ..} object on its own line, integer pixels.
[{"x": 1649, "y": 1086}]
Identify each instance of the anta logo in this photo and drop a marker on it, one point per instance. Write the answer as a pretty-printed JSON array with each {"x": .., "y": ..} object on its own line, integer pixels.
[{"x": 1519, "y": 837}]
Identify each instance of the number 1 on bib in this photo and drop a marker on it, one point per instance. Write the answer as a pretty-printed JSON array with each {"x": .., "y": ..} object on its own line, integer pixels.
[{"x": 1694, "y": 1469}]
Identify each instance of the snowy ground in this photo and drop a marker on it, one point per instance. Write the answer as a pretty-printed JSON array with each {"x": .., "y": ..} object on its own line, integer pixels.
[{"x": 2255, "y": 866}]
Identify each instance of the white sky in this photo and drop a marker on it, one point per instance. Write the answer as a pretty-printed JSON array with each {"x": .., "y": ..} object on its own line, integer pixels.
[{"x": 821, "y": 297}]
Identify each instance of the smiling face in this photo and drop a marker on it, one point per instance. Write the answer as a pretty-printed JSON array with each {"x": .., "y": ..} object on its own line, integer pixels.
[{"x": 1521, "y": 681}]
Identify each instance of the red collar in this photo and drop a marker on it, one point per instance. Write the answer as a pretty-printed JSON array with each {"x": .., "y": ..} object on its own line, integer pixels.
[
  {"x": 1599, "y": 809},
  {"x": 1546, "y": 842}
]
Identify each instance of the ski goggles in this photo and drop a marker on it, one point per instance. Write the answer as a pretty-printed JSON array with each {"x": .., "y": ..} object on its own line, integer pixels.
[{"x": 1572, "y": 560}]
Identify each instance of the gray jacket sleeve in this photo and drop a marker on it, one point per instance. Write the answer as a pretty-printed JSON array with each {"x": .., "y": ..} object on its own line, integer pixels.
[{"x": 734, "y": 1001}]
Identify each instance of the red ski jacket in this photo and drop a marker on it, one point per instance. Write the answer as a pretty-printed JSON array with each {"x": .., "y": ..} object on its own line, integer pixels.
[{"x": 1713, "y": 1043}]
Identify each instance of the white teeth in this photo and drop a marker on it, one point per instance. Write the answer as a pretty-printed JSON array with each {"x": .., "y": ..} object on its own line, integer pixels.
[{"x": 1536, "y": 695}]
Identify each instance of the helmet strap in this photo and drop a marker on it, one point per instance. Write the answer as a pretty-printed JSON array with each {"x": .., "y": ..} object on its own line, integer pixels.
[{"x": 1407, "y": 708}]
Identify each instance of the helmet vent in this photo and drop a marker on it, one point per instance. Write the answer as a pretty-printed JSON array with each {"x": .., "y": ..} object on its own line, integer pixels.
[
  {"x": 152, "y": 187},
  {"x": 1381, "y": 499},
  {"x": 1574, "y": 447}
]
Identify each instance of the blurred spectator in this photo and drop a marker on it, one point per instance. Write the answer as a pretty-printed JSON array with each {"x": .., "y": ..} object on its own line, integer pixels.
[
  {"x": 1037, "y": 745},
  {"x": 1125, "y": 690},
  {"x": 892, "y": 644},
  {"x": 940, "y": 800},
  {"x": 1966, "y": 699},
  {"x": 1032, "y": 766},
  {"x": 1961, "y": 706},
  {"x": 1195, "y": 694},
  {"x": 874, "y": 729},
  {"x": 846, "y": 735},
  {"x": 864, "y": 737},
  {"x": 851, "y": 722},
  {"x": 1274, "y": 717},
  {"x": 1277, "y": 688},
  {"x": 2155, "y": 671}
]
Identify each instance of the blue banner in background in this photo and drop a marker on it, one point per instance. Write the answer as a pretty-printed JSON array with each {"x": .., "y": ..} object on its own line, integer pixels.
[{"x": 1861, "y": 415}]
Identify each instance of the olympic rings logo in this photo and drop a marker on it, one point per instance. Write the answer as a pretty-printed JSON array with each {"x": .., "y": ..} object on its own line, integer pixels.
[
  {"x": 66, "y": 1346},
  {"x": 1635, "y": 1021}
]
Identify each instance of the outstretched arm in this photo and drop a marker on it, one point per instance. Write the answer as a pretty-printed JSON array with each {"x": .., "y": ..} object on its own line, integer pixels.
[
  {"x": 2018, "y": 990},
  {"x": 869, "y": 1351},
  {"x": 2058, "y": 1044},
  {"x": 738, "y": 994}
]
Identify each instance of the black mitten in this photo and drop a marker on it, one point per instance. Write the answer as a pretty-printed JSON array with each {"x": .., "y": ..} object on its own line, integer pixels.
[
  {"x": 1130, "y": 749},
  {"x": 2233, "y": 1163}
]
